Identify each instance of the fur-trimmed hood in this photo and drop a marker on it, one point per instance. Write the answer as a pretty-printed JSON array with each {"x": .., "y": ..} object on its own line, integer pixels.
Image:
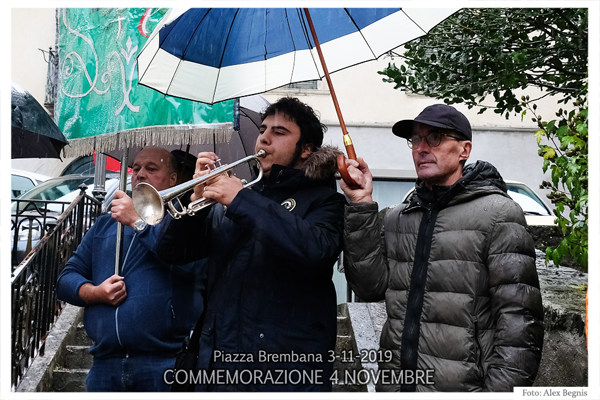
[{"x": 322, "y": 163}]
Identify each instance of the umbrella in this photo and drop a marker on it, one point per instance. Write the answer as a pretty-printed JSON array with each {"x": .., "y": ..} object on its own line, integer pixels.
[
  {"x": 34, "y": 133},
  {"x": 212, "y": 54}
]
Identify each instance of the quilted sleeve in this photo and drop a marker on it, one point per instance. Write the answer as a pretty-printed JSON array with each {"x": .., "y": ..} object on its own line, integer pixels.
[
  {"x": 365, "y": 264},
  {"x": 516, "y": 303}
]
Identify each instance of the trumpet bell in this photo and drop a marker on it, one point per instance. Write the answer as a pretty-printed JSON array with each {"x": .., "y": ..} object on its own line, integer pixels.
[{"x": 148, "y": 203}]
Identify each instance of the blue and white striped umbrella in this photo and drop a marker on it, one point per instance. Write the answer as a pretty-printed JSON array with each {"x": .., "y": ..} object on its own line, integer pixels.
[{"x": 215, "y": 54}]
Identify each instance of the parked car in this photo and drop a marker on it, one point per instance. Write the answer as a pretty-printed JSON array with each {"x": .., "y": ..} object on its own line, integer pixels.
[
  {"x": 22, "y": 181},
  {"x": 536, "y": 211},
  {"x": 32, "y": 219}
]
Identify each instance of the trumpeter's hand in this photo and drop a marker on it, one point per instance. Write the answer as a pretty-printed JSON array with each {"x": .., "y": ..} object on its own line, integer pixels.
[
  {"x": 204, "y": 164},
  {"x": 223, "y": 189}
]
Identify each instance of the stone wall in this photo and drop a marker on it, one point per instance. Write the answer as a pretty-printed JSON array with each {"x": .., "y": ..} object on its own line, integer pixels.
[{"x": 564, "y": 356}]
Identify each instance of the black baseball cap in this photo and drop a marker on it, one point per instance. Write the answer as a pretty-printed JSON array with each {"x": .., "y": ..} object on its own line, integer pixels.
[{"x": 440, "y": 115}]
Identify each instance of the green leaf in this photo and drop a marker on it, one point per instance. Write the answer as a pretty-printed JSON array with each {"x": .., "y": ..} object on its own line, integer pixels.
[
  {"x": 548, "y": 153},
  {"x": 538, "y": 135},
  {"x": 545, "y": 165},
  {"x": 562, "y": 131}
]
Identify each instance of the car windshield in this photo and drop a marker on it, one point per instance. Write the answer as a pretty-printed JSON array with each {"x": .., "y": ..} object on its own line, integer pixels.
[
  {"x": 56, "y": 189},
  {"x": 59, "y": 189},
  {"x": 527, "y": 199},
  {"x": 20, "y": 184}
]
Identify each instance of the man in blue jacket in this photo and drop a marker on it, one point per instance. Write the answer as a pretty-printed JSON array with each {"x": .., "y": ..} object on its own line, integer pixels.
[
  {"x": 270, "y": 323},
  {"x": 137, "y": 319}
]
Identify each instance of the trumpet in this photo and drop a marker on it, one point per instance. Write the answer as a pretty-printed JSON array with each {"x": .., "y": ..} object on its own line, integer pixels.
[{"x": 150, "y": 204}]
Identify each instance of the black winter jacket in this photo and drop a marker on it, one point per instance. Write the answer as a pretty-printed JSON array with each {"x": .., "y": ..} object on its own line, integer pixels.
[
  {"x": 456, "y": 267},
  {"x": 275, "y": 245}
]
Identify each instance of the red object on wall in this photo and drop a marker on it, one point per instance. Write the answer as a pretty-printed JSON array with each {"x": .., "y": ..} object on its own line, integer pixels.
[{"x": 112, "y": 164}]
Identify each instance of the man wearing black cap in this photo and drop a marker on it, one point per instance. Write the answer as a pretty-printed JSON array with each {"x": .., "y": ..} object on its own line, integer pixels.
[{"x": 454, "y": 264}]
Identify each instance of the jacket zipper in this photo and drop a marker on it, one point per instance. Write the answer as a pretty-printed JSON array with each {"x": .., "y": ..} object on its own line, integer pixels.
[
  {"x": 123, "y": 273},
  {"x": 416, "y": 292}
]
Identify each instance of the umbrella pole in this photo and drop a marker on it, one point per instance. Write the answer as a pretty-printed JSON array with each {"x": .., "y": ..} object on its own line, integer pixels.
[
  {"x": 347, "y": 141},
  {"x": 120, "y": 227},
  {"x": 182, "y": 169}
]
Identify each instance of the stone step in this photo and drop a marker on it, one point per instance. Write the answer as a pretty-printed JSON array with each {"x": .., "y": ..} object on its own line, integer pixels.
[
  {"x": 342, "y": 343},
  {"x": 346, "y": 361},
  {"x": 78, "y": 357},
  {"x": 348, "y": 388},
  {"x": 69, "y": 380},
  {"x": 343, "y": 325},
  {"x": 81, "y": 338}
]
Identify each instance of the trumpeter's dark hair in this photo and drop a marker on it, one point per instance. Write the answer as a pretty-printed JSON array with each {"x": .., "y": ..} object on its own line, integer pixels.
[{"x": 311, "y": 129}]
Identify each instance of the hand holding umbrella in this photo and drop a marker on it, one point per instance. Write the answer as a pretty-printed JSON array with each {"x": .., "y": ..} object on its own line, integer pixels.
[{"x": 359, "y": 172}]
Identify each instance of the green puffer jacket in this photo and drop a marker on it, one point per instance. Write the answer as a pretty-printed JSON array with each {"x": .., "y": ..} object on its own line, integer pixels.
[{"x": 456, "y": 267}]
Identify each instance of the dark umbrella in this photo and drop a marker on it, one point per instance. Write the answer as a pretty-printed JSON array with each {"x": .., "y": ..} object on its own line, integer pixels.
[{"x": 34, "y": 133}]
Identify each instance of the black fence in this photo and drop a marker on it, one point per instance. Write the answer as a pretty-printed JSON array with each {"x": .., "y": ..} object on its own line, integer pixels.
[
  {"x": 30, "y": 221},
  {"x": 35, "y": 307}
]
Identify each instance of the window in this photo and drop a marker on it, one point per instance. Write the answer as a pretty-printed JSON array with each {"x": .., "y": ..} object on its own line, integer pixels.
[
  {"x": 81, "y": 166},
  {"x": 304, "y": 85},
  {"x": 20, "y": 184},
  {"x": 387, "y": 193}
]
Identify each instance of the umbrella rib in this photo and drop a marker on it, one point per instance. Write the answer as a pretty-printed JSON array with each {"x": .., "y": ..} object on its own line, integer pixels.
[
  {"x": 414, "y": 22},
  {"x": 360, "y": 32},
  {"x": 141, "y": 76},
  {"x": 223, "y": 53},
  {"x": 287, "y": 18},
  {"x": 186, "y": 49},
  {"x": 308, "y": 36},
  {"x": 264, "y": 53},
  {"x": 195, "y": 30},
  {"x": 266, "y": 33}
]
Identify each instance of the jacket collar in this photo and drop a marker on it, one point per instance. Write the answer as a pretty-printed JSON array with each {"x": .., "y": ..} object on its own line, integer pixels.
[
  {"x": 480, "y": 177},
  {"x": 319, "y": 168}
]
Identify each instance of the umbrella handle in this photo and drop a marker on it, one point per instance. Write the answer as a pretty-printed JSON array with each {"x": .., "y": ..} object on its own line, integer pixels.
[
  {"x": 341, "y": 162},
  {"x": 347, "y": 141}
]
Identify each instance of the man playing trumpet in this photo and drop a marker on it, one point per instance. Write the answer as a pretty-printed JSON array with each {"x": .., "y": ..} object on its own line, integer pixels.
[
  {"x": 271, "y": 307},
  {"x": 139, "y": 318}
]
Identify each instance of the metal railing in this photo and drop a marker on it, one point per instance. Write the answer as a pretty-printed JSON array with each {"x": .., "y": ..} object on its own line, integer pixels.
[
  {"x": 35, "y": 307},
  {"x": 30, "y": 221}
]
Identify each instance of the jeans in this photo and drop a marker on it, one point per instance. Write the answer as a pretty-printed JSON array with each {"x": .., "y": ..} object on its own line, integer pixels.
[{"x": 139, "y": 373}]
